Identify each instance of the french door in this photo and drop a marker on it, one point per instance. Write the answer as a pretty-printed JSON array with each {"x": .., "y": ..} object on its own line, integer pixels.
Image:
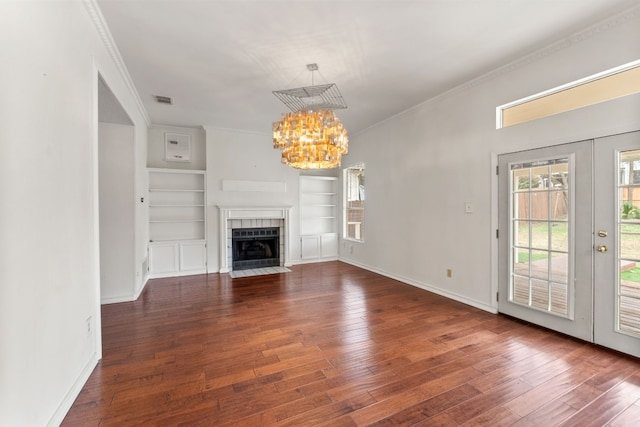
[{"x": 569, "y": 243}]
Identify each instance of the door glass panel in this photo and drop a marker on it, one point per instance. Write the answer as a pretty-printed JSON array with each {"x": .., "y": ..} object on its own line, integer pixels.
[
  {"x": 559, "y": 200},
  {"x": 521, "y": 233},
  {"x": 540, "y": 294},
  {"x": 521, "y": 180},
  {"x": 539, "y": 205},
  {"x": 521, "y": 289},
  {"x": 559, "y": 236},
  {"x": 559, "y": 298},
  {"x": 540, "y": 235},
  {"x": 540, "y": 248},
  {"x": 559, "y": 268},
  {"x": 628, "y": 295},
  {"x": 540, "y": 264},
  {"x": 539, "y": 177}
]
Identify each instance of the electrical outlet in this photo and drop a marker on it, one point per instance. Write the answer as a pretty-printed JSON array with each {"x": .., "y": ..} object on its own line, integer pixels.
[
  {"x": 449, "y": 272},
  {"x": 88, "y": 325}
]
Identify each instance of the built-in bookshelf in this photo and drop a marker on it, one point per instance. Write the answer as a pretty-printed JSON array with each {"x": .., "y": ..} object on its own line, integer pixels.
[
  {"x": 318, "y": 217},
  {"x": 177, "y": 222}
]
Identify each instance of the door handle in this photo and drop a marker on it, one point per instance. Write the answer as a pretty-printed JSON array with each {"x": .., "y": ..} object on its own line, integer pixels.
[{"x": 601, "y": 248}]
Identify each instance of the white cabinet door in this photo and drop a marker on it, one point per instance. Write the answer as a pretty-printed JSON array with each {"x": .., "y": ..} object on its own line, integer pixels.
[
  {"x": 329, "y": 245},
  {"x": 309, "y": 247},
  {"x": 163, "y": 259},
  {"x": 177, "y": 258},
  {"x": 193, "y": 256}
]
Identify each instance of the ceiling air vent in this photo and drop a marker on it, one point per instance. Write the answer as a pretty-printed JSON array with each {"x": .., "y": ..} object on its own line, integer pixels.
[{"x": 164, "y": 99}]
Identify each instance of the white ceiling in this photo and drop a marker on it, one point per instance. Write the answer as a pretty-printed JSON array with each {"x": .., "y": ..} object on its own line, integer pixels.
[{"x": 220, "y": 60}]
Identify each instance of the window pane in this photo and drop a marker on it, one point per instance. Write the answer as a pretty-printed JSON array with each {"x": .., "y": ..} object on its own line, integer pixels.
[
  {"x": 559, "y": 236},
  {"x": 630, "y": 315},
  {"x": 540, "y": 205},
  {"x": 559, "y": 268},
  {"x": 540, "y": 240},
  {"x": 629, "y": 242},
  {"x": 521, "y": 233},
  {"x": 559, "y": 208},
  {"x": 540, "y": 264},
  {"x": 539, "y": 235},
  {"x": 539, "y": 178},
  {"x": 559, "y": 294},
  {"x": 540, "y": 294},
  {"x": 521, "y": 205},
  {"x": 520, "y": 180},
  {"x": 560, "y": 176},
  {"x": 629, "y": 279},
  {"x": 521, "y": 289},
  {"x": 354, "y": 190}
]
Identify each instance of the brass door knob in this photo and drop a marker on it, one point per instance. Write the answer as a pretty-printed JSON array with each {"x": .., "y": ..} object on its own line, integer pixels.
[{"x": 601, "y": 248}]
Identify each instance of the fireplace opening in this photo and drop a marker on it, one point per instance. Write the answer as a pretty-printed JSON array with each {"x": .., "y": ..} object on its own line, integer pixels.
[{"x": 255, "y": 247}]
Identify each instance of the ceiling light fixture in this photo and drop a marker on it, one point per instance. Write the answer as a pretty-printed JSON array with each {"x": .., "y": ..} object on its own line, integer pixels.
[{"x": 311, "y": 136}]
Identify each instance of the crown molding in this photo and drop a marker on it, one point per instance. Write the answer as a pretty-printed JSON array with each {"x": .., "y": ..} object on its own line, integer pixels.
[
  {"x": 577, "y": 37},
  {"x": 214, "y": 129},
  {"x": 105, "y": 35}
]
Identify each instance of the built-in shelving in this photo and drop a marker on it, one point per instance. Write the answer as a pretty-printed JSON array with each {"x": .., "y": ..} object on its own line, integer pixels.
[
  {"x": 177, "y": 222},
  {"x": 318, "y": 218}
]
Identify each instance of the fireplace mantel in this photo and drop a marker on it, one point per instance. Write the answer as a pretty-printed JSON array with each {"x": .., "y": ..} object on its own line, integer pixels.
[{"x": 250, "y": 213}]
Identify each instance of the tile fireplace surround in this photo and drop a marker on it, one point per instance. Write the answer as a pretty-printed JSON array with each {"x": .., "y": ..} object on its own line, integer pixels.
[{"x": 252, "y": 217}]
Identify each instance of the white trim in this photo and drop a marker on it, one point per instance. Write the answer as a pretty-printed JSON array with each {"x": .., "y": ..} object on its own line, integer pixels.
[
  {"x": 93, "y": 9},
  {"x": 610, "y": 72},
  {"x": 95, "y": 189},
  {"x": 127, "y": 298},
  {"x": 250, "y": 212},
  {"x": 72, "y": 394},
  {"x": 598, "y": 28},
  {"x": 214, "y": 129},
  {"x": 426, "y": 287},
  {"x": 494, "y": 226},
  {"x": 254, "y": 186}
]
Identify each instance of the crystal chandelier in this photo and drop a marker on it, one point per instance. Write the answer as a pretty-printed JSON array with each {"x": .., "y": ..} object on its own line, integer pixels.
[{"x": 312, "y": 136}]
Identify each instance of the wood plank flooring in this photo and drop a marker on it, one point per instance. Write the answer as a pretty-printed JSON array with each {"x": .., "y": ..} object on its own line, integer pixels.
[{"x": 334, "y": 345}]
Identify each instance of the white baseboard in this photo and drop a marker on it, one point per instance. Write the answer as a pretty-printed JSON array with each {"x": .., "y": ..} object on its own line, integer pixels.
[
  {"x": 426, "y": 287},
  {"x": 144, "y": 285},
  {"x": 314, "y": 260},
  {"x": 126, "y": 298},
  {"x": 73, "y": 393}
]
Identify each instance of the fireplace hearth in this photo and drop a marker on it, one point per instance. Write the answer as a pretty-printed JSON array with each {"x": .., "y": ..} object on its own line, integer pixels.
[{"x": 255, "y": 247}]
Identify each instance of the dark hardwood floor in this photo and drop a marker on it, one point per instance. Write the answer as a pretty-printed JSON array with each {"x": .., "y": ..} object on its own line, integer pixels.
[{"x": 331, "y": 344}]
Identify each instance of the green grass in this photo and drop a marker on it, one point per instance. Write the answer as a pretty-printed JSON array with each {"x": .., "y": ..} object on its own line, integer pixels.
[
  {"x": 632, "y": 275},
  {"x": 524, "y": 257}
]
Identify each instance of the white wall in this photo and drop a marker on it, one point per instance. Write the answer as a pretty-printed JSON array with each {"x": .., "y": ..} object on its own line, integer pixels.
[
  {"x": 117, "y": 227},
  {"x": 423, "y": 165},
  {"x": 156, "y": 154},
  {"x": 49, "y": 268},
  {"x": 246, "y": 156}
]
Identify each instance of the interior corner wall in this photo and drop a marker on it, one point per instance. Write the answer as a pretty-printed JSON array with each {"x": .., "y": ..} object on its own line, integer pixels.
[
  {"x": 156, "y": 148},
  {"x": 423, "y": 165},
  {"x": 141, "y": 211},
  {"x": 117, "y": 226},
  {"x": 246, "y": 156},
  {"x": 48, "y": 216}
]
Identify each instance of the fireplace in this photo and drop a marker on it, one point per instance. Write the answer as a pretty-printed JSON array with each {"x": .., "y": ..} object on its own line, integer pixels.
[
  {"x": 255, "y": 247},
  {"x": 236, "y": 218}
]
